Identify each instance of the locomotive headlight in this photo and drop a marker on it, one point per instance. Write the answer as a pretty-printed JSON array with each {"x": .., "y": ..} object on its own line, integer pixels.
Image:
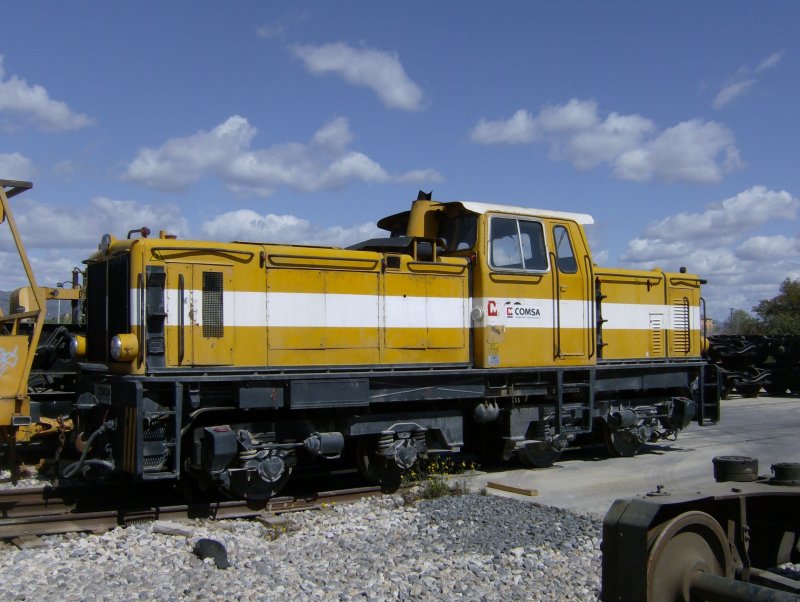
[
  {"x": 77, "y": 346},
  {"x": 124, "y": 347}
]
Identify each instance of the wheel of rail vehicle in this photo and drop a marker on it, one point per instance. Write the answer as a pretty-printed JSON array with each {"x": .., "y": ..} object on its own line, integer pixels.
[
  {"x": 621, "y": 443},
  {"x": 538, "y": 455},
  {"x": 264, "y": 478},
  {"x": 690, "y": 543},
  {"x": 254, "y": 489},
  {"x": 374, "y": 468}
]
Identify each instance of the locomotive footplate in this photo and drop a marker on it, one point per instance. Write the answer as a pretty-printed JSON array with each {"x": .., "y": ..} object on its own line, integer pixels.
[{"x": 724, "y": 543}]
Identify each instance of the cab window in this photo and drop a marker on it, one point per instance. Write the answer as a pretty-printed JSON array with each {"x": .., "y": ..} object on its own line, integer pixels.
[
  {"x": 565, "y": 256},
  {"x": 517, "y": 245},
  {"x": 459, "y": 232}
]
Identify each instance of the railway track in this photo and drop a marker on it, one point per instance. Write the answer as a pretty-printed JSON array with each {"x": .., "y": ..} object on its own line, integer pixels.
[{"x": 27, "y": 513}]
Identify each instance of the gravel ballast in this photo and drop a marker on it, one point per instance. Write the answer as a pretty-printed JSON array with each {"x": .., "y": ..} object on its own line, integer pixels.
[{"x": 472, "y": 547}]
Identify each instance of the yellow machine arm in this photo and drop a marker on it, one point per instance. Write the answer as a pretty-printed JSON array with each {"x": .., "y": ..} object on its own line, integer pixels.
[{"x": 16, "y": 348}]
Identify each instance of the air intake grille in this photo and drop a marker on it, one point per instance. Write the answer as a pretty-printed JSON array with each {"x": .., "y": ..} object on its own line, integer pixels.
[
  {"x": 656, "y": 334},
  {"x": 681, "y": 325},
  {"x": 213, "y": 326}
]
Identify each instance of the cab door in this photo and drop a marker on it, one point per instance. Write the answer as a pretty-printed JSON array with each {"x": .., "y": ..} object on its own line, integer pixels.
[
  {"x": 571, "y": 287},
  {"x": 514, "y": 322},
  {"x": 196, "y": 301}
]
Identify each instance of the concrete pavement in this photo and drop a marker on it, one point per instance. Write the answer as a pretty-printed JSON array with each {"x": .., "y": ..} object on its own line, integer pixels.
[{"x": 766, "y": 428}]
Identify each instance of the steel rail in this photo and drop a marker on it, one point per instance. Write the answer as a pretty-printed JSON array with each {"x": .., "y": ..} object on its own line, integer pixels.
[{"x": 28, "y": 512}]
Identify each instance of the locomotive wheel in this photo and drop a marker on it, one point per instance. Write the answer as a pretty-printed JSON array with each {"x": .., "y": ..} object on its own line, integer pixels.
[
  {"x": 621, "y": 443},
  {"x": 690, "y": 543},
  {"x": 255, "y": 489},
  {"x": 374, "y": 468},
  {"x": 538, "y": 455}
]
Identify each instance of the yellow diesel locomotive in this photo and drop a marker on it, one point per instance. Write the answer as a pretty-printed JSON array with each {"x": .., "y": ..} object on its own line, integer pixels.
[{"x": 469, "y": 325}]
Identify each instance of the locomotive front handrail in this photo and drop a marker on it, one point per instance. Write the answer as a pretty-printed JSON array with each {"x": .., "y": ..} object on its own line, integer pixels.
[
  {"x": 591, "y": 309},
  {"x": 142, "y": 318}
]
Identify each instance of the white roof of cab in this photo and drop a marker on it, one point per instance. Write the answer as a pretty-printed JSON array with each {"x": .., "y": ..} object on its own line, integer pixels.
[{"x": 581, "y": 218}]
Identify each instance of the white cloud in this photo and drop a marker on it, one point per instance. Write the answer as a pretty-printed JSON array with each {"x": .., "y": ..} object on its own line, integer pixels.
[
  {"x": 58, "y": 238},
  {"x": 631, "y": 145},
  {"x": 65, "y": 167},
  {"x": 519, "y": 129},
  {"x": 608, "y": 141},
  {"x": 48, "y": 269},
  {"x": 576, "y": 115},
  {"x": 731, "y": 92},
  {"x": 14, "y": 166},
  {"x": 420, "y": 176},
  {"x": 771, "y": 61},
  {"x": 743, "y": 80},
  {"x": 725, "y": 220},
  {"x": 48, "y": 226},
  {"x": 32, "y": 102},
  {"x": 768, "y": 248},
  {"x": 380, "y": 71},
  {"x": 267, "y": 32},
  {"x": 180, "y": 162},
  {"x": 719, "y": 245},
  {"x": 248, "y": 225},
  {"x": 692, "y": 151},
  {"x": 325, "y": 163}
]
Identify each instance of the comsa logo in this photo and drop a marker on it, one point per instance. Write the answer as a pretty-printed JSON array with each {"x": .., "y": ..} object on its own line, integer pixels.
[
  {"x": 518, "y": 310},
  {"x": 491, "y": 308}
]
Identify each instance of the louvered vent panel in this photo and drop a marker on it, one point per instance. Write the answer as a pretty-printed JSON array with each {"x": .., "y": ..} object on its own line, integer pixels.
[
  {"x": 213, "y": 326},
  {"x": 680, "y": 325},
  {"x": 657, "y": 334}
]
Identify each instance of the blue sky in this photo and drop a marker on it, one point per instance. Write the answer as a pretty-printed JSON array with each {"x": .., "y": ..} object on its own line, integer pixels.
[{"x": 674, "y": 125}]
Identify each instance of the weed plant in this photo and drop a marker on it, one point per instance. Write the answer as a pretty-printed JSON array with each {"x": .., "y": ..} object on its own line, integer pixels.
[{"x": 432, "y": 478}]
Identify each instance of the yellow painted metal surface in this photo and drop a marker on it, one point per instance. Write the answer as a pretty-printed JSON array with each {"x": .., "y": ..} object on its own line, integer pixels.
[
  {"x": 16, "y": 351},
  {"x": 650, "y": 314},
  {"x": 241, "y": 304},
  {"x": 541, "y": 316},
  {"x": 13, "y": 362},
  {"x": 248, "y": 304}
]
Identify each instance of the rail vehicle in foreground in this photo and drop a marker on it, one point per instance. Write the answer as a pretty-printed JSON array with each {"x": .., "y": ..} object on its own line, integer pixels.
[
  {"x": 468, "y": 325},
  {"x": 736, "y": 540},
  {"x": 36, "y": 374}
]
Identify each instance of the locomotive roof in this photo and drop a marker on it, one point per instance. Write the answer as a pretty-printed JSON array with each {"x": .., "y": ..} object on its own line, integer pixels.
[
  {"x": 581, "y": 218},
  {"x": 399, "y": 220}
]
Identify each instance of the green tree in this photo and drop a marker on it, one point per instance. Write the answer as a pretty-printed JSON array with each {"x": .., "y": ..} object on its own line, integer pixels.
[
  {"x": 741, "y": 322},
  {"x": 781, "y": 314}
]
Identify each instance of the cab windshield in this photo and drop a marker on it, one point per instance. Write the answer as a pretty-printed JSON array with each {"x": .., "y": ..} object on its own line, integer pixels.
[{"x": 459, "y": 232}]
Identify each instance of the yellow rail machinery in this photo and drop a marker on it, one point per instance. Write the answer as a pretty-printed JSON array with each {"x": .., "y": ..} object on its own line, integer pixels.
[
  {"x": 51, "y": 378},
  {"x": 17, "y": 343},
  {"x": 470, "y": 325}
]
